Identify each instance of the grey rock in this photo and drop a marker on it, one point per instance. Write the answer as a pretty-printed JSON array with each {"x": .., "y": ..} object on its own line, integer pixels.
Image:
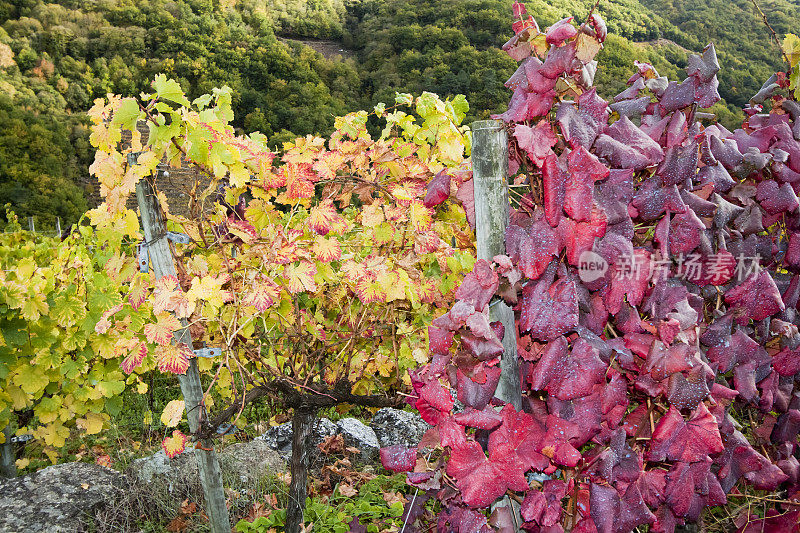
[
  {"x": 279, "y": 438},
  {"x": 393, "y": 426},
  {"x": 361, "y": 436},
  {"x": 241, "y": 464},
  {"x": 251, "y": 461},
  {"x": 56, "y": 499},
  {"x": 158, "y": 464}
]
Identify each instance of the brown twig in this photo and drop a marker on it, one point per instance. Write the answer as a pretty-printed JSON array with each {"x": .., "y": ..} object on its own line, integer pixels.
[{"x": 771, "y": 30}]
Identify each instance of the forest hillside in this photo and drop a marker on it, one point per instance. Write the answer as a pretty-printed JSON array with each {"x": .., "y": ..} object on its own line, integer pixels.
[{"x": 57, "y": 57}]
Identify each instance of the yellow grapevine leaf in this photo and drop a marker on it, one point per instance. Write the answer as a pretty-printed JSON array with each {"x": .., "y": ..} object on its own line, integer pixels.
[
  {"x": 791, "y": 47},
  {"x": 133, "y": 351},
  {"x": 326, "y": 250},
  {"x": 421, "y": 218},
  {"x": 34, "y": 307},
  {"x": 369, "y": 291},
  {"x": 300, "y": 277},
  {"x": 175, "y": 444},
  {"x": 169, "y": 89},
  {"x": 173, "y": 412},
  {"x": 108, "y": 167},
  {"x": 324, "y": 218},
  {"x": 328, "y": 164},
  {"x": 138, "y": 291},
  {"x": 299, "y": 182},
  {"x": 173, "y": 358},
  {"x": 587, "y": 47},
  {"x": 103, "y": 324},
  {"x": 209, "y": 288},
  {"x": 31, "y": 379},
  {"x": 161, "y": 332},
  {"x": 262, "y": 295},
  {"x": 165, "y": 288},
  {"x": 92, "y": 424},
  {"x": 372, "y": 215}
]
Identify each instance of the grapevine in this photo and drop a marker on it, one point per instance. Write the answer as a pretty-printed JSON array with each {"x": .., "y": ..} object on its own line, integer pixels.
[{"x": 652, "y": 262}]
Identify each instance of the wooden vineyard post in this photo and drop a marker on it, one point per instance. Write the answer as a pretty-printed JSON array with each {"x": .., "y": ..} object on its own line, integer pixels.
[
  {"x": 8, "y": 467},
  {"x": 31, "y": 227},
  {"x": 490, "y": 178},
  {"x": 154, "y": 228}
]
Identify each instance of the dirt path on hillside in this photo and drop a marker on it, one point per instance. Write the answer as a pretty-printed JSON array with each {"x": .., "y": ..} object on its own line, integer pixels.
[{"x": 331, "y": 50}]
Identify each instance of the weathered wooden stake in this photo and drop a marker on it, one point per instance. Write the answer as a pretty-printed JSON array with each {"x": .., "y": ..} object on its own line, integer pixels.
[
  {"x": 161, "y": 260},
  {"x": 8, "y": 464},
  {"x": 490, "y": 178},
  {"x": 30, "y": 225},
  {"x": 58, "y": 226}
]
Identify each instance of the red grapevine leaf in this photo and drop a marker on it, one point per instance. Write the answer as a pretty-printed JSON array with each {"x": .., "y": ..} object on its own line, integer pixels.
[
  {"x": 787, "y": 362},
  {"x": 561, "y": 31},
  {"x": 513, "y": 446},
  {"x": 568, "y": 376},
  {"x": 440, "y": 340},
  {"x": 466, "y": 196},
  {"x": 679, "y": 164},
  {"x": 479, "y": 286},
  {"x": 557, "y": 442},
  {"x": 549, "y": 310},
  {"x": 477, "y": 395},
  {"x": 398, "y": 458},
  {"x": 776, "y": 198},
  {"x": 486, "y": 418},
  {"x": 686, "y": 440},
  {"x": 536, "y": 249},
  {"x": 475, "y": 476},
  {"x": 438, "y": 189},
  {"x": 684, "y": 232},
  {"x": 624, "y": 145},
  {"x": 536, "y": 141},
  {"x": 580, "y": 237},
  {"x": 663, "y": 361},
  {"x": 629, "y": 280},
  {"x": 554, "y": 182},
  {"x": 691, "y": 487},
  {"x": 584, "y": 170},
  {"x": 652, "y": 200},
  {"x": 757, "y": 298},
  {"x": 437, "y": 396},
  {"x": 740, "y": 460},
  {"x": 774, "y": 521},
  {"x": 544, "y": 507}
]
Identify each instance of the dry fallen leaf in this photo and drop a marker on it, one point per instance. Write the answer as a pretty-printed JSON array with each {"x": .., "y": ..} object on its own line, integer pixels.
[
  {"x": 104, "y": 460},
  {"x": 393, "y": 497},
  {"x": 177, "y": 525},
  {"x": 347, "y": 490}
]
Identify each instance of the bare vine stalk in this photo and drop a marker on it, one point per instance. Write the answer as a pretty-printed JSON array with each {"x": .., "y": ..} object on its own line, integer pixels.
[{"x": 771, "y": 30}]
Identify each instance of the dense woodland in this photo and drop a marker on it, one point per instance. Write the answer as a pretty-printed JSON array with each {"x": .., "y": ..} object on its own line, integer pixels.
[{"x": 57, "y": 57}]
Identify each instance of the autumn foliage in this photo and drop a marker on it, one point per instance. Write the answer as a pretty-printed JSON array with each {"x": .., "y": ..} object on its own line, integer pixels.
[{"x": 652, "y": 262}]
